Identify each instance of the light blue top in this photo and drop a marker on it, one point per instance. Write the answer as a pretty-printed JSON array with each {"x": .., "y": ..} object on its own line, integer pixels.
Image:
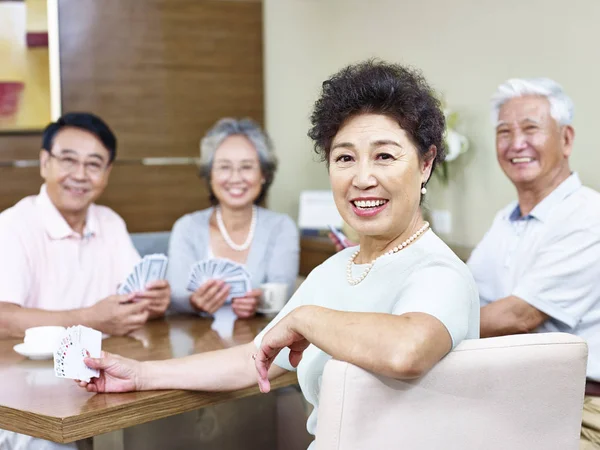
[
  {"x": 424, "y": 277},
  {"x": 273, "y": 256},
  {"x": 551, "y": 259}
]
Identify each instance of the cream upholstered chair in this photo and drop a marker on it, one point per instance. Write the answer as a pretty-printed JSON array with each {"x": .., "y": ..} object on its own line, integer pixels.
[{"x": 522, "y": 392}]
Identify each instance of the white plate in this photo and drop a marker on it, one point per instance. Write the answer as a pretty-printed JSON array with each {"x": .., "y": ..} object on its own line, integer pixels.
[{"x": 25, "y": 350}]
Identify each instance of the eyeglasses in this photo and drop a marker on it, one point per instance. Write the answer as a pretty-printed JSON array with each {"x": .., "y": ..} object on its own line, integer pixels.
[
  {"x": 226, "y": 171},
  {"x": 71, "y": 164}
]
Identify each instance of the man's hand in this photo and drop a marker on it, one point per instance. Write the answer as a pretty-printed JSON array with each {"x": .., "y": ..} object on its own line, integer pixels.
[
  {"x": 158, "y": 296},
  {"x": 245, "y": 307},
  {"x": 509, "y": 315},
  {"x": 118, "y": 315},
  {"x": 282, "y": 335},
  {"x": 210, "y": 296}
]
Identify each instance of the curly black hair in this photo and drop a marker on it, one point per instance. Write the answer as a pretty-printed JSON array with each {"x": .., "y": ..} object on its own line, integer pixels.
[{"x": 377, "y": 87}]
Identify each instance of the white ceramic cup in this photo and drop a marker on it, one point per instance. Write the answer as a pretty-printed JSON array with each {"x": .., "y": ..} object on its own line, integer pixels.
[
  {"x": 43, "y": 338},
  {"x": 273, "y": 299}
]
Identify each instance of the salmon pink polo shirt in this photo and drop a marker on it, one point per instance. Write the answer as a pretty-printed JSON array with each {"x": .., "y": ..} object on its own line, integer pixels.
[{"x": 45, "y": 264}]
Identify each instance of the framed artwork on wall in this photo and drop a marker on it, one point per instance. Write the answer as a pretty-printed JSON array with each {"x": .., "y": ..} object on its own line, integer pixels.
[{"x": 30, "y": 70}]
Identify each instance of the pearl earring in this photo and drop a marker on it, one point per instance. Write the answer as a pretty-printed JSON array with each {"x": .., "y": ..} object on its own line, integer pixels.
[{"x": 423, "y": 190}]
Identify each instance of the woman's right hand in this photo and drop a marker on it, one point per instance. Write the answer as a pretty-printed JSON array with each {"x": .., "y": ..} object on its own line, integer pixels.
[
  {"x": 117, "y": 374},
  {"x": 210, "y": 296}
]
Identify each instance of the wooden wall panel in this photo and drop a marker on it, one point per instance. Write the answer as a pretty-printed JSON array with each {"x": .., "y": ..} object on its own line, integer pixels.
[
  {"x": 152, "y": 198},
  {"x": 161, "y": 72},
  {"x": 17, "y": 183},
  {"x": 19, "y": 146},
  {"x": 149, "y": 198}
]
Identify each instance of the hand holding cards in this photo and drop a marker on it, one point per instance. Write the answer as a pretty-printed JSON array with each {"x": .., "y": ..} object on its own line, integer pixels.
[
  {"x": 76, "y": 344},
  {"x": 150, "y": 268},
  {"x": 232, "y": 273}
]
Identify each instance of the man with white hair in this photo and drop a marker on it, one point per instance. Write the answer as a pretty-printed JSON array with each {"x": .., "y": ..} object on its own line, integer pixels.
[{"x": 538, "y": 266}]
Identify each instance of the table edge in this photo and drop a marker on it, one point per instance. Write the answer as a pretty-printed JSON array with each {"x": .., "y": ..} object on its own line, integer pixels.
[{"x": 92, "y": 423}]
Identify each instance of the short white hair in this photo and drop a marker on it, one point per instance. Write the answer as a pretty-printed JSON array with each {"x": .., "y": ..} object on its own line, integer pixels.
[{"x": 561, "y": 105}]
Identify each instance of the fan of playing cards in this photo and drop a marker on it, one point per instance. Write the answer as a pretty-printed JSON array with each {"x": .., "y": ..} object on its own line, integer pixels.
[
  {"x": 75, "y": 345},
  {"x": 234, "y": 274},
  {"x": 150, "y": 268}
]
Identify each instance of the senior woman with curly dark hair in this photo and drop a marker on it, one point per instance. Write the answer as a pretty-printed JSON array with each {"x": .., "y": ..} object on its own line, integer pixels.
[{"x": 394, "y": 306}]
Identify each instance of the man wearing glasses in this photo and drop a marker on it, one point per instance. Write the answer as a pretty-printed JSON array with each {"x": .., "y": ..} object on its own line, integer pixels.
[{"x": 62, "y": 257}]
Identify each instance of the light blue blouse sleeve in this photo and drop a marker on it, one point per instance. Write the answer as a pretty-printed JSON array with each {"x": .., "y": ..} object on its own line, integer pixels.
[
  {"x": 182, "y": 256},
  {"x": 445, "y": 291},
  {"x": 284, "y": 260}
]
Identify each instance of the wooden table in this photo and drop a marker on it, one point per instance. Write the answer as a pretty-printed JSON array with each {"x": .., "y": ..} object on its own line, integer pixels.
[{"x": 34, "y": 402}]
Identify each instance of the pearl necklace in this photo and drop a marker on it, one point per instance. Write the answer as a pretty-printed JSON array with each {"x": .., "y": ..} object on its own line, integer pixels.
[
  {"x": 410, "y": 240},
  {"x": 227, "y": 238}
]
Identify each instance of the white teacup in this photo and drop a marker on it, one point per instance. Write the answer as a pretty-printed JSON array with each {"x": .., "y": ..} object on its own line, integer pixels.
[
  {"x": 43, "y": 338},
  {"x": 274, "y": 298}
]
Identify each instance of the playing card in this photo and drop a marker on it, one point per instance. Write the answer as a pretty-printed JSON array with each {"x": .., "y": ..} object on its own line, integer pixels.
[
  {"x": 65, "y": 357},
  {"x": 227, "y": 266},
  {"x": 193, "y": 282},
  {"x": 238, "y": 287},
  {"x": 213, "y": 268},
  {"x": 232, "y": 273},
  {"x": 145, "y": 264},
  {"x": 238, "y": 272},
  {"x": 131, "y": 280},
  {"x": 66, "y": 362},
  {"x": 76, "y": 343},
  {"x": 91, "y": 344},
  {"x": 150, "y": 268},
  {"x": 155, "y": 269},
  {"x": 137, "y": 274}
]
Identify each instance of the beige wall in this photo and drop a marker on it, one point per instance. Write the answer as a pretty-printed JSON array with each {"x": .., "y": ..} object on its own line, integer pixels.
[
  {"x": 296, "y": 56},
  {"x": 465, "y": 48}
]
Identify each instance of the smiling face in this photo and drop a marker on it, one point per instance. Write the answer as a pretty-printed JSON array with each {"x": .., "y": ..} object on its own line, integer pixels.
[
  {"x": 76, "y": 170},
  {"x": 532, "y": 148},
  {"x": 376, "y": 176},
  {"x": 236, "y": 176}
]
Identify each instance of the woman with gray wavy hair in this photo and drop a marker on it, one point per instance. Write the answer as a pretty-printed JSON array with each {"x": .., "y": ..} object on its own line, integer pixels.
[{"x": 238, "y": 163}]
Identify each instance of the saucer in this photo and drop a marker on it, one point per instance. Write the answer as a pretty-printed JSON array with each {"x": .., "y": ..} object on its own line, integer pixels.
[{"x": 25, "y": 350}]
